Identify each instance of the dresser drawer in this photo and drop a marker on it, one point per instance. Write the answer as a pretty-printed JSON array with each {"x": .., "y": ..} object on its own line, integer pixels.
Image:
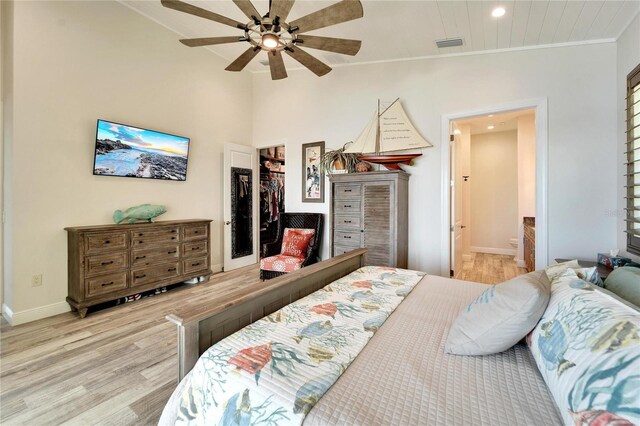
[
  {"x": 154, "y": 256},
  {"x": 195, "y": 264},
  {"x": 103, "y": 263},
  {"x": 156, "y": 273},
  {"x": 339, "y": 249},
  {"x": 105, "y": 284},
  {"x": 195, "y": 248},
  {"x": 347, "y": 222},
  {"x": 344, "y": 238},
  {"x": 98, "y": 243},
  {"x": 346, "y": 206},
  {"x": 347, "y": 191},
  {"x": 193, "y": 232},
  {"x": 153, "y": 239},
  {"x": 162, "y": 234}
]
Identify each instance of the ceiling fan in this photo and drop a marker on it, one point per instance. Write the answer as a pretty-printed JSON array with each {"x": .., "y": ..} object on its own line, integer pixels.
[{"x": 273, "y": 34}]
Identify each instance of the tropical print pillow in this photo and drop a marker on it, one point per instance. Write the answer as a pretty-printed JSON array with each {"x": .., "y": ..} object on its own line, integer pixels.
[{"x": 587, "y": 348}]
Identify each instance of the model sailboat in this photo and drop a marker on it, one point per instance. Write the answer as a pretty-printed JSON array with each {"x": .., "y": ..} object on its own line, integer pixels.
[{"x": 388, "y": 131}]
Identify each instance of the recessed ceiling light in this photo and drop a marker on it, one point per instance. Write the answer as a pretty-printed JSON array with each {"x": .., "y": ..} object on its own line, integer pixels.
[
  {"x": 457, "y": 132},
  {"x": 498, "y": 12},
  {"x": 490, "y": 127},
  {"x": 490, "y": 115}
]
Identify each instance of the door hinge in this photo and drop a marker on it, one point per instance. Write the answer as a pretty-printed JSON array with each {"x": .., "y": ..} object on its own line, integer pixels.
[
  {"x": 452, "y": 138},
  {"x": 451, "y": 273},
  {"x": 452, "y": 228}
]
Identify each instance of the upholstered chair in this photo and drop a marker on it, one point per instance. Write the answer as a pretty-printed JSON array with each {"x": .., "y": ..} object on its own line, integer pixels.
[{"x": 277, "y": 260}]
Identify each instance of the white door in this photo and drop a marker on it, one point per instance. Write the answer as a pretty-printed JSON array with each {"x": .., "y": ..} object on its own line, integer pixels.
[
  {"x": 456, "y": 207},
  {"x": 240, "y": 206}
]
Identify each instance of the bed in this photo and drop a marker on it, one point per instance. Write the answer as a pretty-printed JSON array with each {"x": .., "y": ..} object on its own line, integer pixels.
[{"x": 401, "y": 376}]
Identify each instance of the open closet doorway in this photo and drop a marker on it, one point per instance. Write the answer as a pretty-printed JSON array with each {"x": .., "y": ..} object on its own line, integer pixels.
[
  {"x": 493, "y": 193},
  {"x": 272, "y": 177}
]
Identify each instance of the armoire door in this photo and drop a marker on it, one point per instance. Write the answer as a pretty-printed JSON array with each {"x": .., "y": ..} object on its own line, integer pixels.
[{"x": 378, "y": 199}]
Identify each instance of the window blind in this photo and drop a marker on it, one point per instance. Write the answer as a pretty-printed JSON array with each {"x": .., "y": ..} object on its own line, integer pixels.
[{"x": 633, "y": 161}]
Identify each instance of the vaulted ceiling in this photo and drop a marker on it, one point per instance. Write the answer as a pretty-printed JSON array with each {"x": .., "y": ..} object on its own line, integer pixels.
[{"x": 399, "y": 29}]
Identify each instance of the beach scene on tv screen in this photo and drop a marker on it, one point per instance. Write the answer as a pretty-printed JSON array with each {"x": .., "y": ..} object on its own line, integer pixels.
[{"x": 129, "y": 151}]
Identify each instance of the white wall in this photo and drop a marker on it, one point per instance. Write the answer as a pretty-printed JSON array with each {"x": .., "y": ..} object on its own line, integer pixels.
[
  {"x": 526, "y": 176},
  {"x": 78, "y": 61},
  {"x": 578, "y": 81},
  {"x": 628, "y": 59},
  {"x": 494, "y": 192}
]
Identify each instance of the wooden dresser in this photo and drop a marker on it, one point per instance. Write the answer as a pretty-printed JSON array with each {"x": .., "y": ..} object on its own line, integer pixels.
[
  {"x": 107, "y": 262},
  {"x": 530, "y": 243},
  {"x": 371, "y": 210}
]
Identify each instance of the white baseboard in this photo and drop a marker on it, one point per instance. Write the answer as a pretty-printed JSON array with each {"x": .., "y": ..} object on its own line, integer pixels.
[
  {"x": 493, "y": 250},
  {"x": 521, "y": 263},
  {"x": 7, "y": 313},
  {"x": 21, "y": 317},
  {"x": 467, "y": 258}
]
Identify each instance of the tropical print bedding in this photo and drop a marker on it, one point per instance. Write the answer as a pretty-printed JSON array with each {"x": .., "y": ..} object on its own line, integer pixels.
[
  {"x": 587, "y": 347},
  {"x": 275, "y": 370}
]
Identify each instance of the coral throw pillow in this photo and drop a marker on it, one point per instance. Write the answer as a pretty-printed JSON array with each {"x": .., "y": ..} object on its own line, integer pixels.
[{"x": 295, "y": 241}]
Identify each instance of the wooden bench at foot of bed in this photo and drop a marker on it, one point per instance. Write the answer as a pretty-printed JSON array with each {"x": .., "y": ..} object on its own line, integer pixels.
[{"x": 201, "y": 326}]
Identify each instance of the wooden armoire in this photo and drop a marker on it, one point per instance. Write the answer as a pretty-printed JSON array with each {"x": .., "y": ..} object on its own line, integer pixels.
[{"x": 371, "y": 210}]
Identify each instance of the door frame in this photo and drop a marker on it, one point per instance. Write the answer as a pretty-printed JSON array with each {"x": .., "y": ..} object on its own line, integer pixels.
[{"x": 540, "y": 106}]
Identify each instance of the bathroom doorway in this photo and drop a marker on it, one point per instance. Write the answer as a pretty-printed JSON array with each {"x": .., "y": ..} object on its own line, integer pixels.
[{"x": 493, "y": 180}]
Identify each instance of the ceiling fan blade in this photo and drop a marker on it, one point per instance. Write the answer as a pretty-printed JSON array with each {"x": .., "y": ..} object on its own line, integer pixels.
[
  {"x": 280, "y": 8},
  {"x": 344, "y": 11},
  {"x": 330, "y": 44},
  {"x": 197, "y": 11},
  {"x": 209, "y": 41},
  {"x": 316, "y": 66},
  {"x": 247, "y": 8},
  {"x": 243, "y": 60},
  {"x": 278, "y": 71}
]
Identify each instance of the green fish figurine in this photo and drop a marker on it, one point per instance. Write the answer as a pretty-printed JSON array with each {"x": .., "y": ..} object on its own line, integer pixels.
[
  {"x": 146, "y": 212},
  {"x": 618, "y": 336}
]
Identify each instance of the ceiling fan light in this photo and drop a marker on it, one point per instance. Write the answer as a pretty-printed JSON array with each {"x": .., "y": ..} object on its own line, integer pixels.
[{"x": 269, "y": 40}]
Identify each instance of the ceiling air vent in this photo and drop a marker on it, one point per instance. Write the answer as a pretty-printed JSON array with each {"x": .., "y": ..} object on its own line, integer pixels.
[
  {"x": 450, "y": 42},
  {"x": 265, "y": 63}
]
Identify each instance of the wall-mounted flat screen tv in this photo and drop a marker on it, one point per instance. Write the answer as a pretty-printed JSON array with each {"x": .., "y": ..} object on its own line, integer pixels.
[{"x": 129, "y": 151}]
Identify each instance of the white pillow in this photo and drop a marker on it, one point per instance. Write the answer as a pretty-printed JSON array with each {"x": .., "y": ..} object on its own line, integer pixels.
[
  {"x": 500, "y": 316},
  {"x": 554, "y": 271}
]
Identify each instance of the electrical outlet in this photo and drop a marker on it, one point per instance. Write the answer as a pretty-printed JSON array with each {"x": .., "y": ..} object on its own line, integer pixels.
[{"x": 36, "y": 280}]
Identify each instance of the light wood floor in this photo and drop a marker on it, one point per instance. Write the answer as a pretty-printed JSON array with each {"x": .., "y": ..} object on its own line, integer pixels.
[
  {"x": 490, "y": 268},
  {"x": 117, "y": 366}
]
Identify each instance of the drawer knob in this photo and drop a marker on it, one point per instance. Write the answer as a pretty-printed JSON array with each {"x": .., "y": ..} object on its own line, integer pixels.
[
  {"x": 141, "y": 257},
  {"x": 347, "y": 190},
  {"x": 195, "y": 264},
  {"x": 347, "y": 221},
  {"x": 173, "y": 231},
  {"x": 171, "y": 269},
  {"x": 172, "y": 252},
  {"x": 347, "y": 236},
  {"x": 196, "y": 232},
  {"x": 173, "y": 238},
  {"x": 106, "y": 284},
  {"x": 347, "y": 205},
  {"x": 141, "y": 276},
  {"x": 195, "y": 248},
  {"x": 107, "y": 263},
  {"x": 107, "y": 241},
  {"x": 140, "y": 242},
  {"x": 140, "y": 234}
]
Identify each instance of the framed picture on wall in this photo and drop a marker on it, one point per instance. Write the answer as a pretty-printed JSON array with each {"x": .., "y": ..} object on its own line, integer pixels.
[{"x": 312, "y": 182}]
